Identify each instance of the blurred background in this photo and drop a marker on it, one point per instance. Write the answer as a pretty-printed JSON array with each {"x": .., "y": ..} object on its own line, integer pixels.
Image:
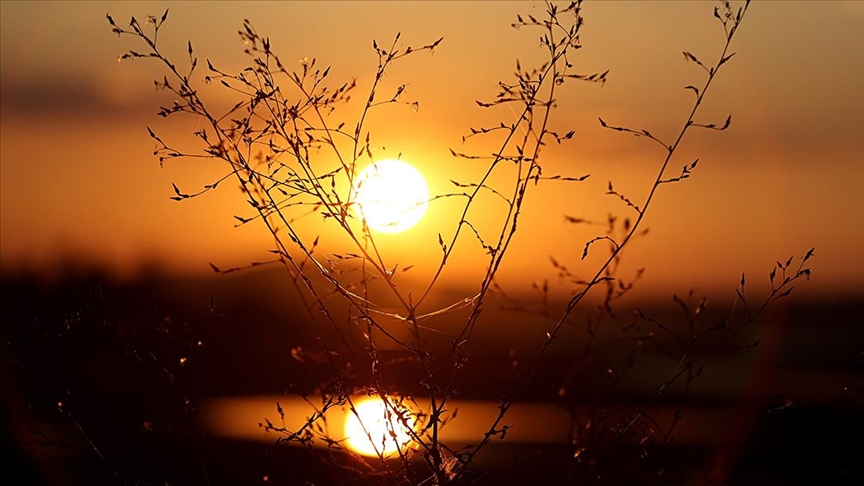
[{"x": 116, "y": 330}]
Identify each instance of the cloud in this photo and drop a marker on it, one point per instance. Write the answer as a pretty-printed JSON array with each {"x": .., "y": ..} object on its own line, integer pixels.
[{"x": 37, "y": 94}]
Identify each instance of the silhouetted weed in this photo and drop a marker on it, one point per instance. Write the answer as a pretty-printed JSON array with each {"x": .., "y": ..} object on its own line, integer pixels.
[{"x": 285, "y": 144}]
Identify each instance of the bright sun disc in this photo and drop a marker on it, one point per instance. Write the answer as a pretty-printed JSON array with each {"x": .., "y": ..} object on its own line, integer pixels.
[
  {"x": 376, "y": 422},
  {"x": 391, "y": 196}
]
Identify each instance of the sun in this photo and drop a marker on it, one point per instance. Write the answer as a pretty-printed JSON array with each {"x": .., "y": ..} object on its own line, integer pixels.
[
  {"x": 375, "y": 421},
  {"x": 391, "y": 195}
]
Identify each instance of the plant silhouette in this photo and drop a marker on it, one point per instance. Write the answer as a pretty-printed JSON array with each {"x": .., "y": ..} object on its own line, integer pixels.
[{"x": 295, "y": 150}]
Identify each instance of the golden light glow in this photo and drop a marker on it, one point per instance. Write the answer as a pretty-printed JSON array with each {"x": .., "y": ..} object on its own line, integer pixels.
[
  {"x": 391, "y": 196},
  {"x": 376, "y": 421}
]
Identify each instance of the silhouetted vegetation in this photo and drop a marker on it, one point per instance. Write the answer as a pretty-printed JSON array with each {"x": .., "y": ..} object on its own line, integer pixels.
[{"x": 293, "y": 147}]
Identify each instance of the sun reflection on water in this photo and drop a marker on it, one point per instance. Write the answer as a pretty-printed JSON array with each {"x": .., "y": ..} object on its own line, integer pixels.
[{"x": 375, "y": 427}]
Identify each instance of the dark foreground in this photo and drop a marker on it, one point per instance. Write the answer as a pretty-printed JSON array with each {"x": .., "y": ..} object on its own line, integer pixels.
[{"x": 103, "y": 384}]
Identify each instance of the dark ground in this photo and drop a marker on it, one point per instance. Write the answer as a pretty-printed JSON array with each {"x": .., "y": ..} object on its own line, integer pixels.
[{"x": 94, "y": 392}]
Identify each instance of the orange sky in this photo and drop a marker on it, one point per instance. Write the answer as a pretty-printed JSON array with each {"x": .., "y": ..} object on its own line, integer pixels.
[{"x": 77, "y": 178}]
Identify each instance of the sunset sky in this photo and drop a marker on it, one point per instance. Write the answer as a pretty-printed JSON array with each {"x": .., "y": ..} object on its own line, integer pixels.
[{"x": 78, "y": 181}]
